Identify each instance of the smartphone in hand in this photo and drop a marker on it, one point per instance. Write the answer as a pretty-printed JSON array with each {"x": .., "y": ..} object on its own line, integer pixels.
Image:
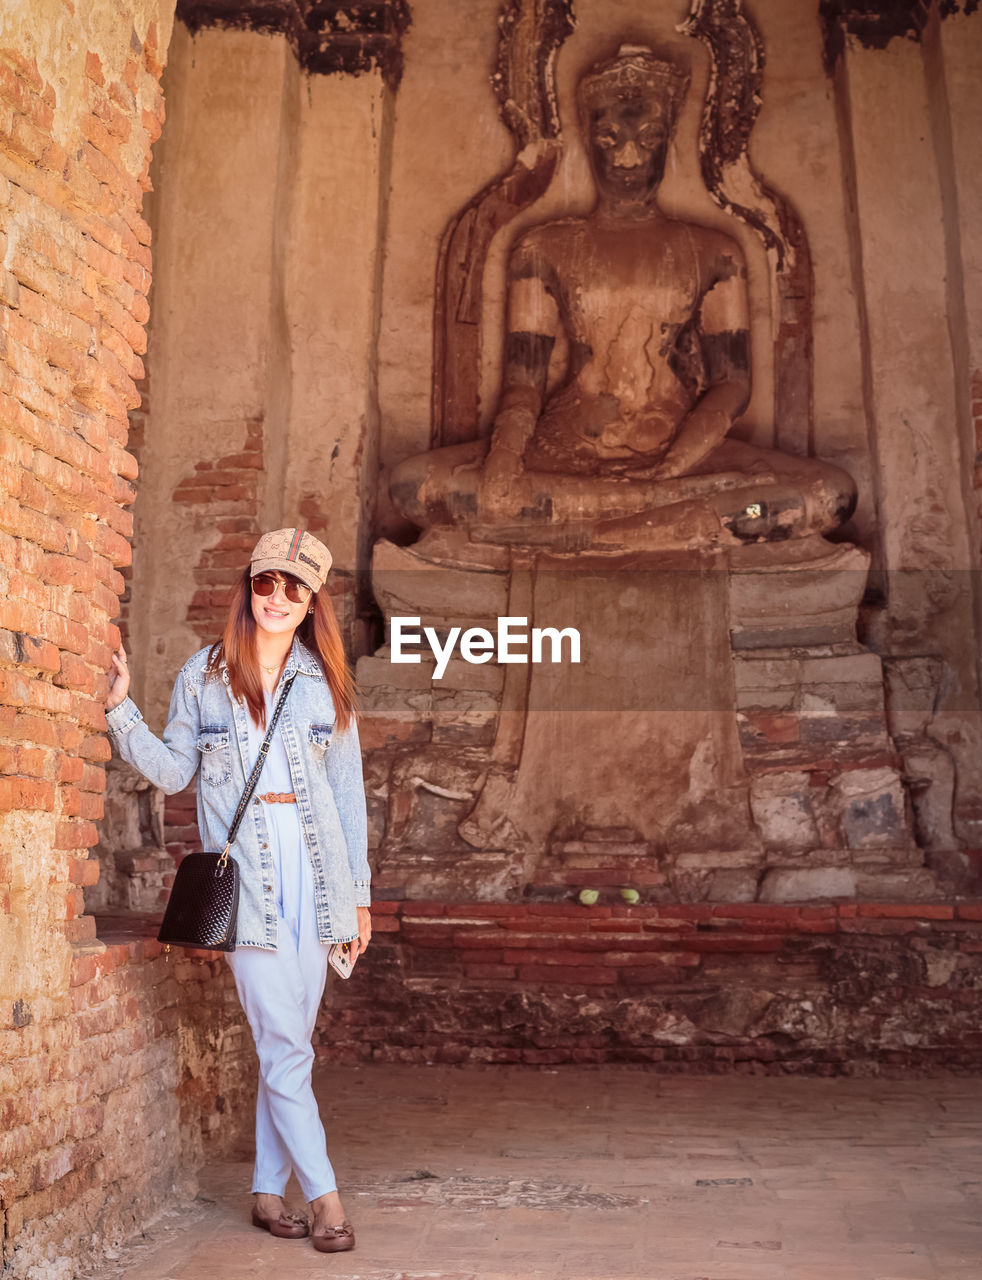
[{"x": 341, "y": 957}]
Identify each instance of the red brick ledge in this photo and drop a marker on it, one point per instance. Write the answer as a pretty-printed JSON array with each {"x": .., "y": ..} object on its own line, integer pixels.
[
  {"x": 141, "y": 930},
  {"x": 550, "y": 983},
  {"x": 697, "y": 911},
  {"x": 490, "y": 926},
  {"x": 618, "y": 946}
]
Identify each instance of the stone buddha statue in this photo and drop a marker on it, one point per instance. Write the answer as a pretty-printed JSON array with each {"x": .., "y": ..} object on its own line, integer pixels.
[{"x": 630, "y": 449}]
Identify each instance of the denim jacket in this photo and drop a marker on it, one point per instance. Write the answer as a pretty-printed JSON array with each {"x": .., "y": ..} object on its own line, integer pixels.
[{"x": 207, "y": 737}]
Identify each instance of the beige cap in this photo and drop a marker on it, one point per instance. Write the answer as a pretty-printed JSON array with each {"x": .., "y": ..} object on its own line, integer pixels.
[{"x": 292, "y": 551}]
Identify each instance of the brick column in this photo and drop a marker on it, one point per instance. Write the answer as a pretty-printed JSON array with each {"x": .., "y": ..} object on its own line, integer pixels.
[{"x": 80, "y": 106}]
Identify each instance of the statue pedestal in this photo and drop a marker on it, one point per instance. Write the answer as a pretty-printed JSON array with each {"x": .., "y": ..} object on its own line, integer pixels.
[
  {"x": 640, "y": 733},
  {"x": 723, "y": 735}
]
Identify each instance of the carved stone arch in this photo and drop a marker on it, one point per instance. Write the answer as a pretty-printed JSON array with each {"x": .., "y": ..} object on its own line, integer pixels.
[
  {"x": 730, "y": 112},
  {"x": 524, "y": 83}
]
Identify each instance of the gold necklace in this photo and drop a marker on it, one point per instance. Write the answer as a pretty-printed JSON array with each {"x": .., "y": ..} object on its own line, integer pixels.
[{"x": 272, "y": 670}]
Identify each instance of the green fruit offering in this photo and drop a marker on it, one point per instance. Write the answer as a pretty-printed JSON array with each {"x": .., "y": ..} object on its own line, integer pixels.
[
  {"x": 631, "y": 896},
  {"x": 588, "y": 896}
]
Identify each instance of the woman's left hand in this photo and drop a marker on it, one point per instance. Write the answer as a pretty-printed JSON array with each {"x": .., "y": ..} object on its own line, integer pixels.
[
  {"x": 119, "y": 680},
  {"x": 364, "y": 929}
]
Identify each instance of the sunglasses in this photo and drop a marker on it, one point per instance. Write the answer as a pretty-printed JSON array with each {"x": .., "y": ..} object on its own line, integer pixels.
[{"x": 264, "y": 584}]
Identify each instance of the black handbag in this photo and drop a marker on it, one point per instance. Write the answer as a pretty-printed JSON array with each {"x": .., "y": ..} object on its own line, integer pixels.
[{"x": 204, "y": 900}]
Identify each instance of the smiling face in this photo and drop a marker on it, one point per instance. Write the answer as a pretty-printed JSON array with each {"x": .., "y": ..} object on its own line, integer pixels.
[{"x": 275, "y": 614}]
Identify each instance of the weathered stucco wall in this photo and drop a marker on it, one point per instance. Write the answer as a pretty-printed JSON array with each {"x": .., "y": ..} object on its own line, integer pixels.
[
  {"x": 268, "y": 236},
  {"x": 911, "y": 269}
]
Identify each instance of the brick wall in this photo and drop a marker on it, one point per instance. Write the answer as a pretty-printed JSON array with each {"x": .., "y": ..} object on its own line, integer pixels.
[
  {"x": 74, "y": 285},
  {"x": 825, "y": 988},
  {"x": 99, "y": 1037},
  {"x": 138, "y": 420},
  {"x": 147, "y": 1045}
]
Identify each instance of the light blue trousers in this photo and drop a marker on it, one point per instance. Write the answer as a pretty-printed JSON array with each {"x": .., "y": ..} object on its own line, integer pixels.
[{"x": 281, "y": 992}]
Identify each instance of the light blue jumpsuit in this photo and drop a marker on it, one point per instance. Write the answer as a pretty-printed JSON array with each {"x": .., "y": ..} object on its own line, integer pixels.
[{"x": 281, "y": 992}]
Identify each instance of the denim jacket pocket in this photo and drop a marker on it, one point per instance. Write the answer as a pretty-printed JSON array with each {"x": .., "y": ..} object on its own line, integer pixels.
[
  {"x": 319, "y": 737},
  {"x": 216, "y": 758}
]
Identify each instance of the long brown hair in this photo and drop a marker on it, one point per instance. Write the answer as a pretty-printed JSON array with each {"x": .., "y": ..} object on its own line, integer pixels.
[{"x": 319, "y": 631}]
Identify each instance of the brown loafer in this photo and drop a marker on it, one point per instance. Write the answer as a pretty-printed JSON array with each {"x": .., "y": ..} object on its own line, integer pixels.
[
  {"x": 288, "y": 1226},
  {"x": 334, "y": 1239}
]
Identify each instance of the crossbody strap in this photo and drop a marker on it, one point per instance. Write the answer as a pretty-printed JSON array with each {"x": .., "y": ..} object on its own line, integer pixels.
[{"x": 257, "y": 769}]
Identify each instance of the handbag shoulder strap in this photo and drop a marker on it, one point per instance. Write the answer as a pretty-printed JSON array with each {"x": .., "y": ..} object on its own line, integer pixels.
[{"x": 257, "y": 769}]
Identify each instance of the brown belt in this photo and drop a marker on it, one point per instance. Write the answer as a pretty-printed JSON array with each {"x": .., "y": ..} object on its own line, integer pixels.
[{"x": 279, "y": 797}]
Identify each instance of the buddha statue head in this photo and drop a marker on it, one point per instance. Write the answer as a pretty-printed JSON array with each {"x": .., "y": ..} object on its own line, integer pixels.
[{"x": 628, "y": 109}]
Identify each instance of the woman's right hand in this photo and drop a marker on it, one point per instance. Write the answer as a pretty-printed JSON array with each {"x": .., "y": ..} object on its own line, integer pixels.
[{"x": 119, "y": 680}]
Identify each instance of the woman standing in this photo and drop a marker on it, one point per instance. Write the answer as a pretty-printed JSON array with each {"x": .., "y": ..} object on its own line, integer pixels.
[{"x": 301, "y": 849}]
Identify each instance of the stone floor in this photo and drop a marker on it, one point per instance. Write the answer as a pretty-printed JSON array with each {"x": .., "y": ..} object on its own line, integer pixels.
[{"x": 483, "y": 1174}]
